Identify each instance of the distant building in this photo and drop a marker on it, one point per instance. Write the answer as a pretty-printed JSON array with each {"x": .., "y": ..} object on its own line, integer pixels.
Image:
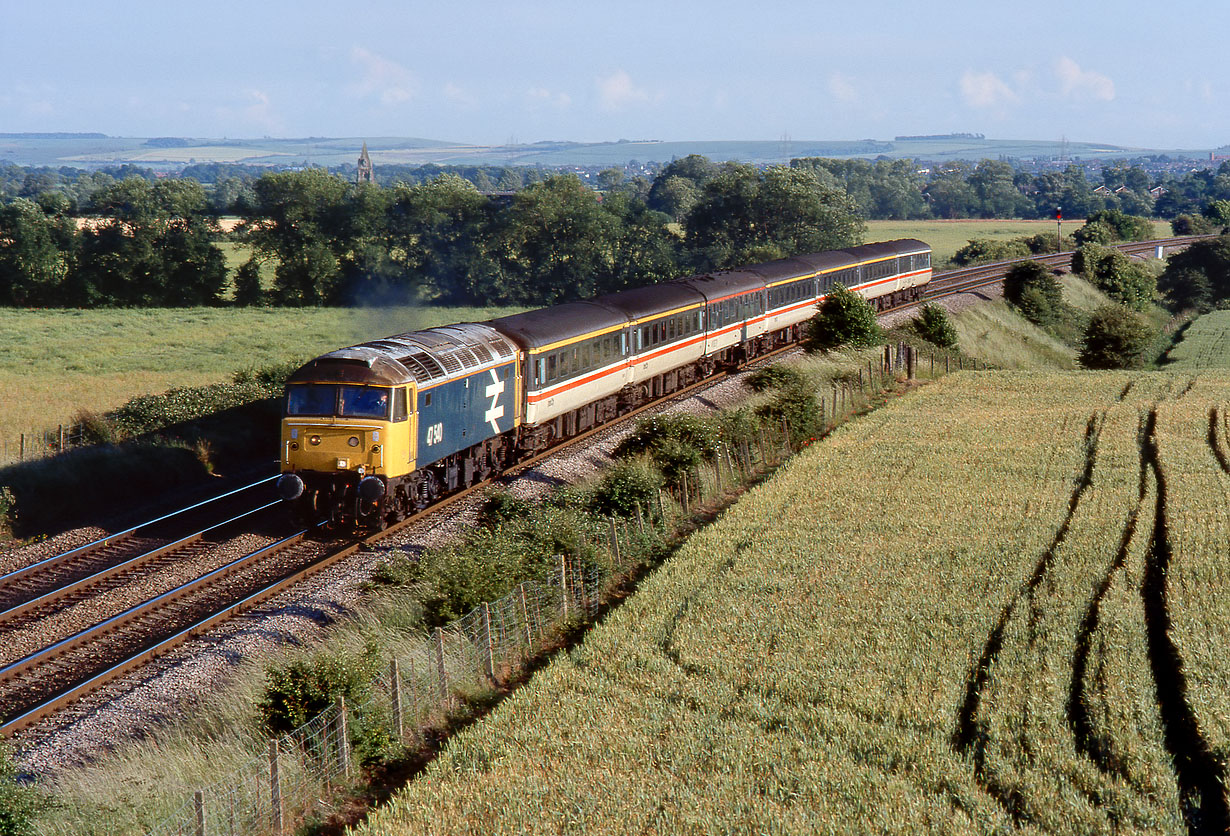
[{"x": 365, "y": 173}]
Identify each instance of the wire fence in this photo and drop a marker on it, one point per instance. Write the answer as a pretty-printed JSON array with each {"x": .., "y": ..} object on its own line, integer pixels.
[
  {"x": 40, "y": 444},
  {"x": 290, "y": 779}
]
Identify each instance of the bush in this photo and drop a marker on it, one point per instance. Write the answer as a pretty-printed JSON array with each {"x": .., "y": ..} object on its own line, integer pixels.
[
  {"x": 8, "y": 511},
  {"x": 933, "y": 325},
  {"x": 489, "y": 562},
  {"x": 1187, "y": 224},
  {"x": 844, "y": 319},
  {"x": 674, "y": 443},
  {"x": 1116, "y": 338},
  {"x": 20, "y": 804},
  {"x": 795, "y": 404},
  {"x": 1033, "y": 289},
  {"x": 1119, "y": 278},
  {"x": 1086, "y": 258},
  {"x": 626, "y": 486},
  {"x": 985, "y": 250},
  {"x": 297, "y": 692},
  {"x": 1114, "y": 225},
  {"x": 773, "y": 377},
  {"x": 502, "y": 506}
]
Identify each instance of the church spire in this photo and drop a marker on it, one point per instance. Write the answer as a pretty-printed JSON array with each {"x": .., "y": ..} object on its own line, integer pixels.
[{"x": 365, "y": 172}]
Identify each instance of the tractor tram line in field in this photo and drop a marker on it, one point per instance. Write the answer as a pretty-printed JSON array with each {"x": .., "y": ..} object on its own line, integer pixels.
[{"x": 61, "y": 665}]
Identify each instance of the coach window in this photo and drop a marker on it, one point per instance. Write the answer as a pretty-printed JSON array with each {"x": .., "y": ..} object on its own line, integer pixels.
[
  {"x": 552, "y": 368},
  {"x": 540, "y": 371}
]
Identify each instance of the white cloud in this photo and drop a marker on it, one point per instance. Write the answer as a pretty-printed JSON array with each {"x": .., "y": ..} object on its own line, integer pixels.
[
  {"x": 457, "y": 94},
  {"x": 841, "y": 87},
  {"x": 986, "y": 90},
  {"x": 257, "y": 112},
  {"x": 617, "y": 91},
  {"x": 543, "y": 96},
  {"x": 1075, "y": 83},
  {"x": 389, "y": 81}
]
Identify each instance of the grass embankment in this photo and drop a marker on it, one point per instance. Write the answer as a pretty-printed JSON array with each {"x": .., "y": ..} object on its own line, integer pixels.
[
  {"x": 1205, "y": 344},
  {"x": 60, "y": 363},
  {"x": 963, "y": 637},
  {"x": 946, "y": 237}
]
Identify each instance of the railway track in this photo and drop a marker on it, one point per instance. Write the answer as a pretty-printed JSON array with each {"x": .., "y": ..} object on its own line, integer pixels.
[
  {"x": 62, "y": 671},
  {"x": 952, "y": 282}
]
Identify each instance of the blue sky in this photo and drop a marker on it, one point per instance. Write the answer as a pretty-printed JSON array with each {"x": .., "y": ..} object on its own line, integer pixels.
[{"x": 1129, "y": 73}]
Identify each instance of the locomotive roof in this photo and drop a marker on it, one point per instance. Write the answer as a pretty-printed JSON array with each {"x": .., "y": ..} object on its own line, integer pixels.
[
  {"x": 642, "y": 302},
  {"x": 421, "y": 357},
  {"x": 724, "y": 283},
  {"x": 538, "y": 328}
]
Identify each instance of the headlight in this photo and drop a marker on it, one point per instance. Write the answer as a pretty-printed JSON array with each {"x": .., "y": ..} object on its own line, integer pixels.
[
  {"x": 375, "y": 448},
  {"x": 353, "y": 441},
  {"x": 314, "y": 440}
]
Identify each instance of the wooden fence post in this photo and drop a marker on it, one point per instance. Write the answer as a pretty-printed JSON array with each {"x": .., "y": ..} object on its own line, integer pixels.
[
  {"x": 275, "y": 789},
  {"x": 488, "y": 644},
  {"x": 395, "y": 697},
  {"x": 443, "y": 674},
  {"x": 684, "y": 491},
  {"x": 343, "y": 737},
  {"x": 198, "y": 802},
  {"x": 525, "y": 619},
  {"x": 614, "y": 537},
  {"x": 563, "y": 583}
]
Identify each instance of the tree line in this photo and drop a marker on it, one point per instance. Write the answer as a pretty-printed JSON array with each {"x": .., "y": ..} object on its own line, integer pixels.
[
  {"x": 883, "y": 189},
  {"x": 318, "y": 239}
]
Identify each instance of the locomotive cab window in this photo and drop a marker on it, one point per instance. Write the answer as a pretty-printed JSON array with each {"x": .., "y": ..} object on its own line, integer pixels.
[
  {"x": 311, "y": 399},
  {"x": 400, "y": 413},
  {"x": 363, "y": 402}
]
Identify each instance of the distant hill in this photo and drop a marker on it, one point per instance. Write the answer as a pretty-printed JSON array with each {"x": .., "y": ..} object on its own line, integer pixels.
[{"x": 94, "y": 150}]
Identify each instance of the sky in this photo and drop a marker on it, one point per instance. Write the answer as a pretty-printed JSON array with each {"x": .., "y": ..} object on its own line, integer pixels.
[{"x": 1125, "y": 73}]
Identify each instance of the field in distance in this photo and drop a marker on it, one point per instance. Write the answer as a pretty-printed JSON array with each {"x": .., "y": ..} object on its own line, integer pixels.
[
  {"x": 996, "y": 604},
  {"x": 946, "y": 237},
  {"x": 61, "y": 362}
]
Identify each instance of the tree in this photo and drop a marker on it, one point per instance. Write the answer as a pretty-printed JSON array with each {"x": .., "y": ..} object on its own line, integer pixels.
[
  {"x": 993, "y": 183},
  {"x": 1197, "y": 275},
  {"x": 1218, "y": 211},
  {"x": 154, "y": 246},
  {"x": 36, "y": 254},
  {"x": 933, "y": 325},
  {"x": 248, "y": 289},
  {"x": 1116, "y": 338},
  {"x": 950, "y": 193},
  {"x": 438, "y": 234},
  {"x": 296, "y": 219},
  {"x": 843, "y": 319},
  {"x": 745, "y": 216},
  {"x": 555, "y": 243}
]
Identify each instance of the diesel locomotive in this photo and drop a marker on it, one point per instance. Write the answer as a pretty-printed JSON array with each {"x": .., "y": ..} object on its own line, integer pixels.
[{"x": 376, "y": 431}]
